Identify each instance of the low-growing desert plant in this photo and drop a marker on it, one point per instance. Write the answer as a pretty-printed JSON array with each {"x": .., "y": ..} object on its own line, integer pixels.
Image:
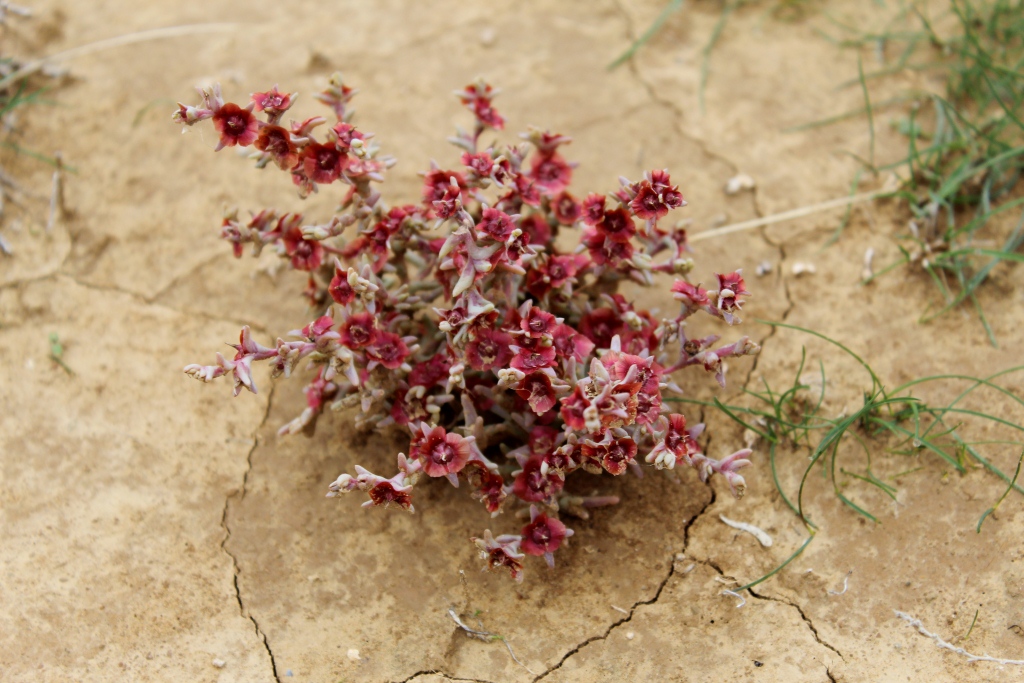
[{"x": 510, "y": 361}]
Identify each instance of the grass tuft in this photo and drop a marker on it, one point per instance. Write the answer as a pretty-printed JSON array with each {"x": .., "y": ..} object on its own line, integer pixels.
[{"x": 794, "y": 417}]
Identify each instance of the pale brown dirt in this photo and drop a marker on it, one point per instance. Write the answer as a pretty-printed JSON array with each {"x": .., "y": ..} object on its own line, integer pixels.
[{"x": 151, "y": 524}]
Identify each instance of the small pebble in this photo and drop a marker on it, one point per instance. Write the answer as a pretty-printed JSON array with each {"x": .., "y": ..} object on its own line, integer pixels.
[
  {"x": 219, "y": 663},
  {"x": 488, "y": 36},
  {"x": 630, "y": 635},
  {"x": 739, "y": 183},
  {"x": 801, "y": 268},
  {"x": 353, "y": 654},
  {"x": 763, "y": 268}
]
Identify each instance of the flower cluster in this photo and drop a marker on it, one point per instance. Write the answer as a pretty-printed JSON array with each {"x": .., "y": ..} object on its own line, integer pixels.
[{"x": 485, "y": 321}]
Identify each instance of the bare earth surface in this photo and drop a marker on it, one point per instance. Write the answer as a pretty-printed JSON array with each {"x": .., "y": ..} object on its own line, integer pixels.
[{"x": 151, "y": 525}]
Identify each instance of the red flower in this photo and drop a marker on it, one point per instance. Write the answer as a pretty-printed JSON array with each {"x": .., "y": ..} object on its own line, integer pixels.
[
  {"x": 535, "y": 229},
  {"x": 693, "y": 297},
  {"x": 385, "y": 493},
  {"x": 730, "y": 288},
  {"x": 344, "y": 134},
  {"x": 648, "y": 408},
  {"x": 389, "y": 350},
  {"x": 536, "y": 483},
  {"x": 534, "y": 357},
  {"x": 236, "y": 126},
  {"x": 359, "y": 331},
  {"x": 566, "y": 209},
  {"x": 441, "y": 453},
  {"x": 273, "y": 101},
  {"x": 502, "y": 551},
  {"x": 678, "y": 440},
  {"x": 496, "y": 224},
  {"x": 538, "y": 322},
  {"x": 543, "y": 535},
  {"x": 276, "y": 141},
  {"x": 617, "y": 225},
  {"x": 437, "y": 182},
  {"x": 593, "y": 209},
  {"x": 408, "y": 407},
  {"x": 536, "y": 389},
  {"x": 489, "y": 349},
  {"x": 339, "y": 289},
  {"x": 450, "y": 202},
  {"x": 655, "y": 197},
  {"x": 601, "y": 325},
  {"x": 614, "y": 455},
  {"x": 604, "y": 250},
  {"x": 569, "y": 343},
  {"x": 573, "y": 406},
  {"x": 481, "y": 164},
  {"x": 490, "y": 487},
  {"x": 322, "y": 163},
  {"x": 477, "y": 97},
  {"x": 551, "y": 173},
  {"x": 305, "y": 254},
  {"x": 430, "y": 372}
]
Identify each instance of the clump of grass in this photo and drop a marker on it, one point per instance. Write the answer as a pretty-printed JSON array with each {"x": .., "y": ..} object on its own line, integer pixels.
[
  {"x": 793, "y": 416},
  {"x": 965, "y": 149}
]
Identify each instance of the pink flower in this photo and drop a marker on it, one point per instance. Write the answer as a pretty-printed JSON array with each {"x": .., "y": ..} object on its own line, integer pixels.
[
  {"x": 543, "y": 535},
  {"x": 389, "y": 350},
  {"x": 613, "y": 454},
  {"x": 569, "y": 343},
  {"x": 537, "y": 322},
  {"x": 551, "y": 173},
  {"x": 534, "y": 357},
  {"x": 593, "y": 209},
  {"x": 273, "y": 102},
  {"x": 437, "y": 183},
  {"x": 236, "y": 126},
  {"x": 535, "y": 483},
  {"x": 566, "y": 209},
  {"x": 536, "y": 389},
  {"x": 572, "y": 409},
  {"x": 489, "y": 349},
  {"x": 496, "y": 224},
  {"x": 477, "y": 97},
  {"x": 441, "y": 453},
  {"x": 480, "y": 164},
  {"x": 694, "y": 297}
]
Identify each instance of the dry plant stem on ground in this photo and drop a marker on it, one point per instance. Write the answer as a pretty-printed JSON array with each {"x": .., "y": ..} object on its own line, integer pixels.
[{"x": 460, "y": 320}]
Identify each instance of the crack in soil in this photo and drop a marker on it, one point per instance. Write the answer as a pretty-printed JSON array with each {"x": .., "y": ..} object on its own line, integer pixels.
[
  {"x": 227, "y": 535},
  {"x": 633, "y": 608},
  {"x": 438, "y": 672},
  {"x": 803, "y": 615},
  {"x": 661, "y": 101}
]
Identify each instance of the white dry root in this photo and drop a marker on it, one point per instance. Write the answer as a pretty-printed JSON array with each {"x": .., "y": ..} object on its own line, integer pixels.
[
  {"x": 916, "y": 623},
  {"x": 734, "y": 594},
  {"x": 760, "y": 535}
]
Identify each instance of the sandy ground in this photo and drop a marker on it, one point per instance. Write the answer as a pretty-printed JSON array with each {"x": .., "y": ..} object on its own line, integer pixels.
[{"x": 151, "y": 525}]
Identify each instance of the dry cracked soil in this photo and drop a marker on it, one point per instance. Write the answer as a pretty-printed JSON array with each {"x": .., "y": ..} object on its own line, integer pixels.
[{"x": 152, "y": 525}]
